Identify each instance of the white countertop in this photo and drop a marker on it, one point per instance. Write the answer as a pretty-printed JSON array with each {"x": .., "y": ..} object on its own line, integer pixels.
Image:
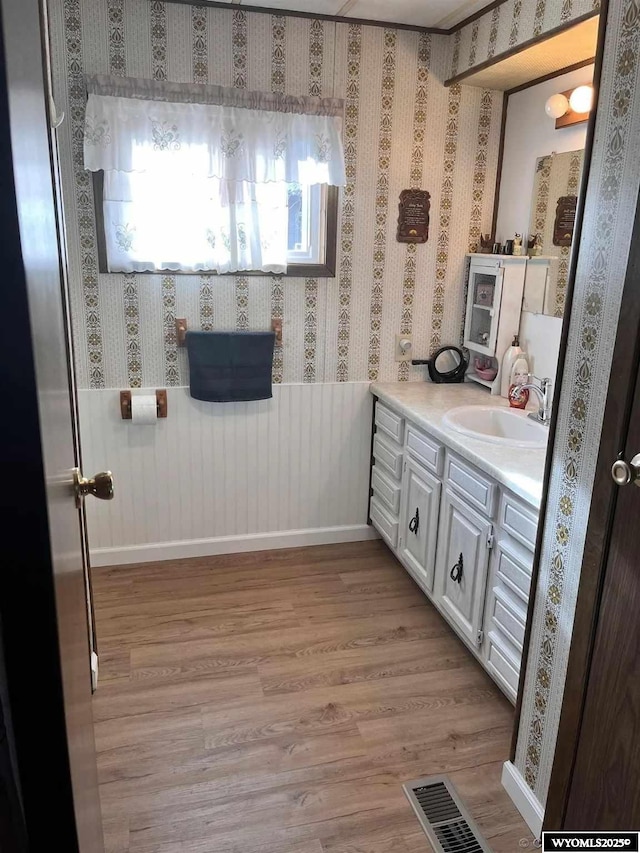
[{"x": 425, "y": 403}]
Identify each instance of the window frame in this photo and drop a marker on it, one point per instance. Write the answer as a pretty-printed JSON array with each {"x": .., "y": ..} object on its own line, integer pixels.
[
  {"x": 317, "y": 213},
  {"x": 323, "y": 270}
]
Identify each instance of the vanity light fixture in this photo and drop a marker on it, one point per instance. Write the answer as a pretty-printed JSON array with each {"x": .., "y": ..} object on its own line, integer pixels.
[
  {"x": 570, "y": 107},
  {"x": 556, "y": 106},
  {"x": 581, "y": 99}
]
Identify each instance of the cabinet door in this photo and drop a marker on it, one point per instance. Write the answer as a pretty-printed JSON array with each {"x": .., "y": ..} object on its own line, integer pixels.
[
  {"x": 461, "y": 572},
  {"x": 483, "y": 306},
  {"x": 419, "y": 522}
]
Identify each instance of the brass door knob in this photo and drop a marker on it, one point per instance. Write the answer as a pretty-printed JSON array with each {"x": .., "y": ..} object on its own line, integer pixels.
[
  {"x": 100, "y": 486},
  {"x": 624, "y": 472}
]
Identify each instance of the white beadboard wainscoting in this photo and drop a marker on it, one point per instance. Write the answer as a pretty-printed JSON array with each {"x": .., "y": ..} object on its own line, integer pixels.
[{"x": 218, "y": 478}]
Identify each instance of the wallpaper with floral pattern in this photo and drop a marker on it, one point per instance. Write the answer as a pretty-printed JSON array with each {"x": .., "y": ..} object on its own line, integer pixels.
[{"x": 402, "y": 128}]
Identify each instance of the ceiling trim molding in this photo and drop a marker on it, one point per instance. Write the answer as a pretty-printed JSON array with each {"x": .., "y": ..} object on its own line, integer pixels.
[
  {"x": 525, "y": 45},
  {"x": 474, "y": 17},
  {"x": 236, "y": 5},
  {"x": 291, "y": 13}
]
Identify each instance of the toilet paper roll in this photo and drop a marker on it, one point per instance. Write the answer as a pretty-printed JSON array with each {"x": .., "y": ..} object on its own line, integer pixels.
[{"x": 143, "y": 409}]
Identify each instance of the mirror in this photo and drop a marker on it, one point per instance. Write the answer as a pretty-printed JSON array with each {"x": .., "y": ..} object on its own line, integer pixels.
[
  {"x": 448, "y": 365},
  {"x": 447, "y": 360},
  {"x": 553, "y": 211}
]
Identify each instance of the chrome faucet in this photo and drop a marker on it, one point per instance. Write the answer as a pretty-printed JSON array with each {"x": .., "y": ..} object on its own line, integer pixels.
[{"x": 543, "y": 390}]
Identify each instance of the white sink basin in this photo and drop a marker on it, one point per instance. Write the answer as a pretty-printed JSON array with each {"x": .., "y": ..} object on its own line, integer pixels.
[{"x": 498, "y": 426}]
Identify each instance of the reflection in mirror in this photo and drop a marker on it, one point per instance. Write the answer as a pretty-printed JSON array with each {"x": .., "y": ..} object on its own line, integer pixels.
[
  {"x": 553, "y": 212},
  {"x": 448, "y": 360}
]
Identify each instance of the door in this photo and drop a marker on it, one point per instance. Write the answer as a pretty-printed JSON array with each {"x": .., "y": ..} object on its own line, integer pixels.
[
  {"x": 605, "y": 787},
  {"x": 419, "y": 522},
  {"x": 461, "y": 573},
  {"x": 43, "y": 584}
]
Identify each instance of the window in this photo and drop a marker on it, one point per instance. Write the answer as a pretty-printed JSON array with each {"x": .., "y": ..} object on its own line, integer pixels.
[
  {"x": 201, "y": 179},
  {"x": 312, "y": 222}
]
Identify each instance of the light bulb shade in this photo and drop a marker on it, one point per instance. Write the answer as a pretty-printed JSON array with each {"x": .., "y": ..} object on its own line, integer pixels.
[
  {"x": 556, "y": 106},
  {"x": 581, "y": 99}
]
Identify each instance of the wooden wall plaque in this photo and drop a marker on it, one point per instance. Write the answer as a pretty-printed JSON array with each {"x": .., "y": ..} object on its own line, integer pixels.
[
  {"x": 413, "y": 216},
  {"x": 565, "y": 220}
]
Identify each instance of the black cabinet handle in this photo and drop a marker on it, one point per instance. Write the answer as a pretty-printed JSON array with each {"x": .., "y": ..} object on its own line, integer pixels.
[
  {"x": 457, "y": 570},
  {"x": 414, "y": 524}
]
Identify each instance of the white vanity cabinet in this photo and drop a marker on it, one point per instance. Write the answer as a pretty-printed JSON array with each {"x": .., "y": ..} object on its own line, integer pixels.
[
  {"x": 387, "y": 452},
  {"x": 419, "y": 522},
  {"x": 465, "y": 539},
  {"x": 508, "y": 591}
]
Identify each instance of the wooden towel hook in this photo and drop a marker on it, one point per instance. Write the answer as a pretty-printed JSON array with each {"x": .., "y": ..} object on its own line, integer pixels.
[{"x": 181, "y": 331}]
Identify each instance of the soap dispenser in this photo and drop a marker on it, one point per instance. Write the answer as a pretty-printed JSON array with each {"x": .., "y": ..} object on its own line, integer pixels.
[
  {"x": 508, "y": 361},
  {"x": 518, "y": 393}
]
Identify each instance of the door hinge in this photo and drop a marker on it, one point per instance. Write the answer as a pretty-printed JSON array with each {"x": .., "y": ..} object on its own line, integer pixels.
[
  {"x": 479, "y": 638},
  {"x": 94, "y": 672},
  {"x": 490, "y": 540},
  {"x": 404, "y": 466}
]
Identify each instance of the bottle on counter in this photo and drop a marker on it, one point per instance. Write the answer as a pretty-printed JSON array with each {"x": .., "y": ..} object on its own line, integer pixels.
[
  {"x": 508, "y": 361},
  {"x": 518, "y": 395}
]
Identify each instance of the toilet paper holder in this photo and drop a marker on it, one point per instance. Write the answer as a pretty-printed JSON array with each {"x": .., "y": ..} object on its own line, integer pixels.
[{"x": 161, "y": 404}]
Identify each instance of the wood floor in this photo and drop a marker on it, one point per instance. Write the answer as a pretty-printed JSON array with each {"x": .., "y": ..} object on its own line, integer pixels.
[{"x": 275, "y": 702}]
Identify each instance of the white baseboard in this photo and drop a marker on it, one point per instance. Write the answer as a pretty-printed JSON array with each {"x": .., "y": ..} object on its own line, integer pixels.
[
  {"x": 155, "y": 551},
  {"x": 523, "y": 798}
]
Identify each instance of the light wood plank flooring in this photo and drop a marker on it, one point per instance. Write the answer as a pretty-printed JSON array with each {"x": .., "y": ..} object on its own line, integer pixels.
[{"x": 274, "y": 703}]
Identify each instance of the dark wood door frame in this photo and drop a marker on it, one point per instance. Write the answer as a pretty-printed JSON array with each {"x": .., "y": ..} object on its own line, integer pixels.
[{"x": 624, "y": 370}]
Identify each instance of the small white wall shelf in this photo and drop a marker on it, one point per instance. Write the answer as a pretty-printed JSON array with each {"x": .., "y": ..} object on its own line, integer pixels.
[{"x": 494, "y": 302}]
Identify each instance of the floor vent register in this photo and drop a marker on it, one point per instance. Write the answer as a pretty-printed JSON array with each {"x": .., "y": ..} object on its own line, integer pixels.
[{"x": 444, "y": 819}]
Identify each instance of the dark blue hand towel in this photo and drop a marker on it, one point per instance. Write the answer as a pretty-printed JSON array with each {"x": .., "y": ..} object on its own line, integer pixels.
[{"x": 229, "y": 366}]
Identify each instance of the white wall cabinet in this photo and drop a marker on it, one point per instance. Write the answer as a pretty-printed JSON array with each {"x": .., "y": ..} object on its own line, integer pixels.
[
  {"x": 419, "y": 522},
  {"x": 494, "y": 303},
  {"x": 466, "y": 541}
]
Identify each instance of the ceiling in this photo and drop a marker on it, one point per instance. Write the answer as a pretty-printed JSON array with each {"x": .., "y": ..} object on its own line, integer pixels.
[
  {"x": 441, "y": 14},
  {"x": 570, "y": 47}
]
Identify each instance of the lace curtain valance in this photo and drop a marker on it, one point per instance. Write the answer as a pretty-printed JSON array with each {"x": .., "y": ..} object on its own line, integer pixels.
[
  {"x": 142, "y": 125},
  {"x": 199, "y": 178}
]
